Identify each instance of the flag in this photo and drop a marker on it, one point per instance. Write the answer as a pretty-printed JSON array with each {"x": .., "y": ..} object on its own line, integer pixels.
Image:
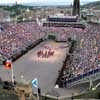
[{"x": 35, "y": 83}]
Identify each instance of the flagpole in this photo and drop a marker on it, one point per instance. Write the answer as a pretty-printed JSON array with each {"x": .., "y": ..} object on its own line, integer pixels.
[
  {"x": 38, "y": 95},
  {"x": 38, "y": 90},
  {"x": 12, "y": 74}
]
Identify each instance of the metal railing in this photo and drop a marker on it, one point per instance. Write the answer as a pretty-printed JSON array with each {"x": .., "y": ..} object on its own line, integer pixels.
[{"x": 81, "y": 77}]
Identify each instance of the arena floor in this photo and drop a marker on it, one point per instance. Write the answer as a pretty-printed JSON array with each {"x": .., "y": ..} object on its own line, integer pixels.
[{"x": 30, "y": 66}]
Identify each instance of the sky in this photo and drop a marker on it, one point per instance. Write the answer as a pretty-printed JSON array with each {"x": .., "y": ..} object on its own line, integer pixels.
[{"x": 43, "y": 1}]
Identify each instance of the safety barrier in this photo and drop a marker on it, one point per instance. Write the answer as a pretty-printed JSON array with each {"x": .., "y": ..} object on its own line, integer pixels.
[{"x": 78, "y": 78}]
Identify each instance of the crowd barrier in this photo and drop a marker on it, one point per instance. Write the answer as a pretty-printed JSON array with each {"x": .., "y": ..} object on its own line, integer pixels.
[{"x": 70, "y": 81}]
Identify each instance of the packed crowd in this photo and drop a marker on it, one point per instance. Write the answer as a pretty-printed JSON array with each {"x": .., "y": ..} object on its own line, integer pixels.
[
  {"x": 86, "y": 57},
  {"x": 17, "y": 37}
]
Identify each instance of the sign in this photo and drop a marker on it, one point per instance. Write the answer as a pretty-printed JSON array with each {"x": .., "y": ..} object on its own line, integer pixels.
[{"x": 35, "y": 83}]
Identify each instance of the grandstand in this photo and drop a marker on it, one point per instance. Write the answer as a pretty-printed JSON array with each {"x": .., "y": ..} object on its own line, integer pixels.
[
  {"x": 65, "y": 24},
  {"x": 84, "y": 61},
  {"x": 62, "y": 18},
  {"x": 13, "y": 43},
  {"x": 17, "y": 38},
  {"x": 63, "y": 21}
]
